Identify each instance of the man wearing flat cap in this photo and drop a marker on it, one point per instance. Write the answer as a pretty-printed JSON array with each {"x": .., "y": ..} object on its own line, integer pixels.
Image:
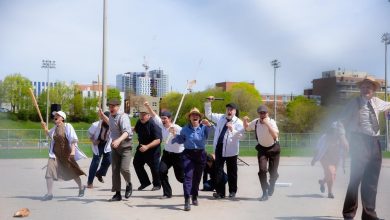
[
  {"x": 121, "y": 135},
  {"x": 228, "y": 132},
  {"x": 268, "y": 149},
  {"x": 172, "y": 153},
  {"x": 148, "y": 150},
  {"x": 360, "y": 119}
]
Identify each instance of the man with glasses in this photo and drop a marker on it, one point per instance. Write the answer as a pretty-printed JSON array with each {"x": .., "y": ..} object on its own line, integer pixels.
[
  {"x": 268, "y": 149},
  {"x": 121, "y": 135}
]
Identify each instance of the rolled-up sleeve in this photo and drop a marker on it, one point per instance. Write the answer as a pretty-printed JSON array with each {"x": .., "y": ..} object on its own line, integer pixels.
[{"x": 126, "y": 126}]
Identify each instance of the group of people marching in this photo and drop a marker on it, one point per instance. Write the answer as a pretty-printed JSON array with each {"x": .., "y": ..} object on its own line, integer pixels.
[{"x": 184, "y": 150}]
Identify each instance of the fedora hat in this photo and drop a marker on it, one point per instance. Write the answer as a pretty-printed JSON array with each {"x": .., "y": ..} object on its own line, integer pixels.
[
  {"x": 371, "y": 80},
  {"x": 194, "y": 111}
]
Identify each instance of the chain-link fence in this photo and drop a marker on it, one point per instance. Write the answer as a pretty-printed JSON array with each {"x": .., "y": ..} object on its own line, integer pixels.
[{"x": 36, "y": 139}]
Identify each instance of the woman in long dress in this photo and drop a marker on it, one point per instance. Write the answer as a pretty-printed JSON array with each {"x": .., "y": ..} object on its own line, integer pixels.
[{"x": 63, "y": 154}]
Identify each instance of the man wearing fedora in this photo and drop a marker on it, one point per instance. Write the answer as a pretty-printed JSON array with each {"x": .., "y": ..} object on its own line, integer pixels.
[
  {"x": 360, "y": 118},
  {"x": 268, "y": 149},
  {"x": 121, "y": 135},
  {"x": 148, "y": 150},
  {"x": 228, "y": 132}
]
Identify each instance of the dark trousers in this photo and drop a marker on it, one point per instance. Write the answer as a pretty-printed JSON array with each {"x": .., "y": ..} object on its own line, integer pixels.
[
  {"x": 366, "y": 161},
  {"x": 121, "y": 158},
  {"x": 106, "y": 162},
  {"x": 169, "y": 160},
  {"x": 152, "y": 159},
  {"x": 231, "y": 167},
  {"x": 268, "y": 156},
  {"x": 193, "y": 162}
]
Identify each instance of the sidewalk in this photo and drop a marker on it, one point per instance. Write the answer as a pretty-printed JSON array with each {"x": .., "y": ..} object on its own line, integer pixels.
[{"x": 23, "y": 185}]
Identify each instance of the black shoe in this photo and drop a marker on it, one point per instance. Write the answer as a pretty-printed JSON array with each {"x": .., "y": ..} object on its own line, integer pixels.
[
  {"x": 271, "y": 189},
  {"x": 322, "y": 185},
  {"x": 187, "y": 206},
  {"x": 232, "y": 195},
  {"x": 264, "y": 197},
  {"x": 218, "y": 196},
  {"x": 195, "y": 201},
  {"x": 129, "y": 190},
  {"x": 116, "y": 197},
  {"x": 100, "y": 178},
  {"x": 155, "y": 188},
  {"x": 47, "y": 197},
  {"x": 82, "y": 191},
  {"x": 165, "y": 197},
  {"x": 141, "y": 187}
]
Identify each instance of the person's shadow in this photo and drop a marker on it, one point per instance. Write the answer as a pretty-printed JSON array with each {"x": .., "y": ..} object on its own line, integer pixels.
[
  {"x": 314, "y": 195},
  {"x": 309, "y": 218}
]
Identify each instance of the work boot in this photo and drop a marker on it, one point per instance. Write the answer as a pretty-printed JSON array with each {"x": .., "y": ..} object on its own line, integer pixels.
[
  {"x": 129, "y": 190},
  {"x": 264, "y": 197},
  {"x": 187, "y": 205},
  {"x": 195, "y": 201}
]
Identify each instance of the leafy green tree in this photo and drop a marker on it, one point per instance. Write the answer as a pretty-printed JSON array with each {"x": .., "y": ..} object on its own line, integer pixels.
[
  {"x": 113, "y": 93},
  {"x": 302, "y": 114},
  {"x": 15, "y": 90},
  {"x": 247, "y": 98},
  {"x": 78, "y": 104}
]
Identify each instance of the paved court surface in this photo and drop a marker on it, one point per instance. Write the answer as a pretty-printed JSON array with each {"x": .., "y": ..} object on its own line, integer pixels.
[{"x": 22, "y": 184}]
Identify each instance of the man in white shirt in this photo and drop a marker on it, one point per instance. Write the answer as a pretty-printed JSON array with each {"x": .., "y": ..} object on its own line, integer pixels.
[
  {"x": 172, "y": 153},
  {"x": 360, "y": 119},
  {"x": 268, "y": 149},
  {"x": 228, "y": 132}
]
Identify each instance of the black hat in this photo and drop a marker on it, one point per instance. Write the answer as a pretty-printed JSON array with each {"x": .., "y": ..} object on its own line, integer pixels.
[
  {"x": 166, "y": 114},
  {"x": 232, "y": 105},
  {"x": 113, "y": 102},
  {"x": 262, "y": 108}
]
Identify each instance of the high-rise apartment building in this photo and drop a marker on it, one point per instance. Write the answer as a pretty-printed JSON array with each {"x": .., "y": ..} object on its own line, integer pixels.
[{"x": 152, "y": 83}]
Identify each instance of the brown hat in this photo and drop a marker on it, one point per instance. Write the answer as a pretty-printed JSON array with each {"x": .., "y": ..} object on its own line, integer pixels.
[
  {"x": 142, "y": 109},
  {"x": 194, "y": 111},
  {"x": 371, "y": 80},
  {"x": 113, "y": 102}
]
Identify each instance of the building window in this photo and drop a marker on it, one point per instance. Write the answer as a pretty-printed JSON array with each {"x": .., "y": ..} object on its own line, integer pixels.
[{"x": 154, "y": 103}]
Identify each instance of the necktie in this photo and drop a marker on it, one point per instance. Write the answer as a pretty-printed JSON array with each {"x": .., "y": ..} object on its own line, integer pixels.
[
  {"x": 373, "y": 119},
  {"x": 222, "y": 134}
]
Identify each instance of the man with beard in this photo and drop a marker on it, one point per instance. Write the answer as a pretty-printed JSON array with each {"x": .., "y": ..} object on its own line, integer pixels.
[{"x": 228, "y": 132}]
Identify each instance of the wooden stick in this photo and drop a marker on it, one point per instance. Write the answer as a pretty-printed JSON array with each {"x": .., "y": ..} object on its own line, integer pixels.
[
  {"x": 99, "y": 101},
  {"x": 35, "y": 104}
]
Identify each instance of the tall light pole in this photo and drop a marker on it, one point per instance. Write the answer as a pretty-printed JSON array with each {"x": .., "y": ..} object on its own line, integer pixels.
[
  {"x": 104, "y": 66},
  {"x": 276, "y": 64},
  {"x": 386, "y": 41},
  {"x": 48, "y": 64}
]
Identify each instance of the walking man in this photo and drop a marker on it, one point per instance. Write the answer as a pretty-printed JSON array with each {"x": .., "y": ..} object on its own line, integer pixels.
[
  {"x": 99, "y": 134},
  {"x": 360, "y": 119},
  {"x": 121, "y": 136},
  {"x": 172, "y": 153},
  {"x": 228, "y": 132},
  {"x": 148, "y": 150},
  {"x": 268, "y": 149}
]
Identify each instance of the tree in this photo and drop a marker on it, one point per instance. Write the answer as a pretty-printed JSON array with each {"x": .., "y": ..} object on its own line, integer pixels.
[
  {"x": 302, "y": 114},
  {"x": 15, "y": 90},
  {"x": 113, "y": 93},
  {"x": 247, "y": 98}
]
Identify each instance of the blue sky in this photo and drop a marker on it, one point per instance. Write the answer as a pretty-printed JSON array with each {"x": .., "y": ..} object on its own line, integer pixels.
[{"x": 210, "y": 41}]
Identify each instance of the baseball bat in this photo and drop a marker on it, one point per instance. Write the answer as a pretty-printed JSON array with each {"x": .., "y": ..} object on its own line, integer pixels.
[{"x": 35, "y": 104}]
